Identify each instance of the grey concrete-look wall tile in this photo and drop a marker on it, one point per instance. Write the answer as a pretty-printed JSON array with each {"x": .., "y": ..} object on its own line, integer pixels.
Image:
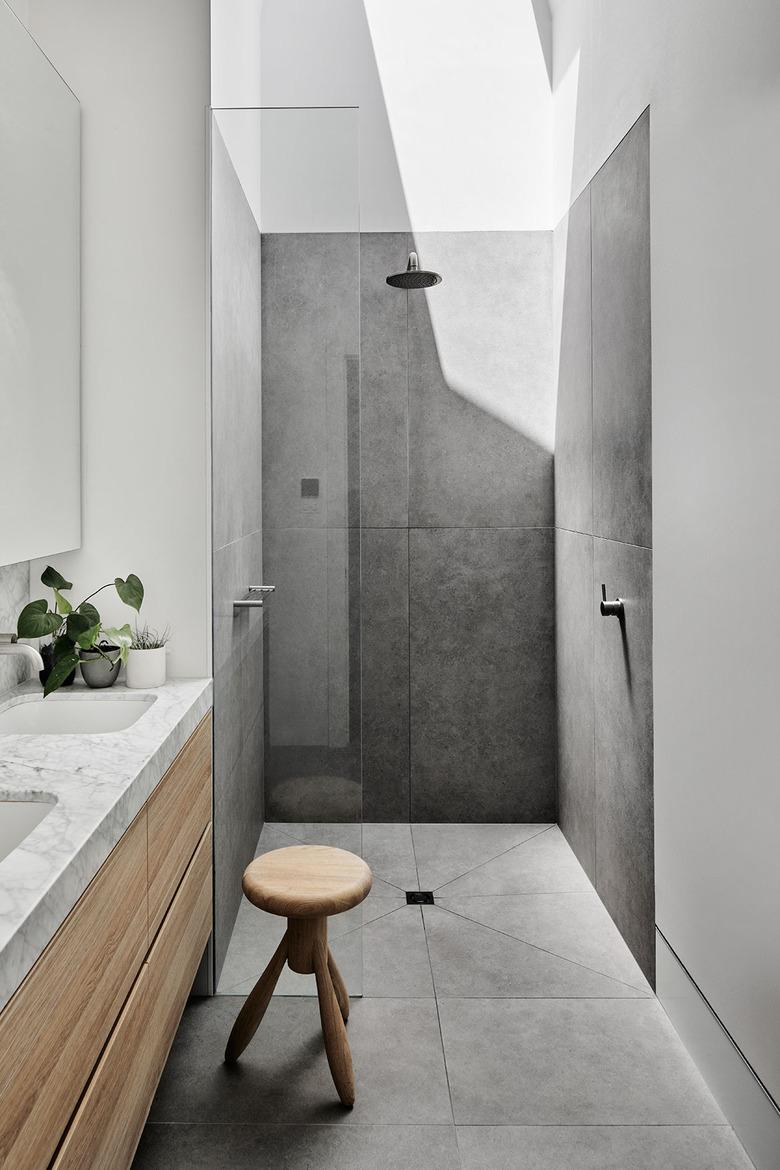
[
  {"x": 235, "y": 355},
  {"x": 481, "y": 399},
  {"x": 600, "y": 1147},
  {"x": 311, "y": 338},
  {"x": 624, "y": 748},
  {"x": 482, "y": 675},
  {"x": 574, "y": 416},
  {"x": 575, "y": 606},
  {"x": 296, "y": 562},
  {"x": 384, "y": 391},
  {"x": 238, "y": 817},
  {"x": 385, "y": 673},
  {"x": 620, "y": 216}
]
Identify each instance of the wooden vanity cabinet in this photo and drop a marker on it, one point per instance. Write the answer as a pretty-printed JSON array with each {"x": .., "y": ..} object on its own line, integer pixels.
[{"x": 84, "y": 1039}]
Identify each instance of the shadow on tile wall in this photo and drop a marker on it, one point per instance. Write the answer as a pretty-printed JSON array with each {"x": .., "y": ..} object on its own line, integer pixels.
[
  {"x": 604, "y": 526},
  {"x": 438, "y": 522}
]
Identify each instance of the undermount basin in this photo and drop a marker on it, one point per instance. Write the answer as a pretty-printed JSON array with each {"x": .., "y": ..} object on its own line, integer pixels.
[
  {"x": 18, "y": 818},
  {"x": 66, "y": 716}
]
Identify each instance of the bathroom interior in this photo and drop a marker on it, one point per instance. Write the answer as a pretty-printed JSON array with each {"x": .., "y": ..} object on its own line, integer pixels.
[{"x": 413, "y": 364}]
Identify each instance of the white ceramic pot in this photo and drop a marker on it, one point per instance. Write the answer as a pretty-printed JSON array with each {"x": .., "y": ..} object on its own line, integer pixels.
[{"x": 145, "y": 668}]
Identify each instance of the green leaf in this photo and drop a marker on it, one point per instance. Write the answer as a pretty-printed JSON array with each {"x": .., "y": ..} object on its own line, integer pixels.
[
  {"x": 35, "y": 621},
  {"x": 60, "y": 671},
  {"x": 88, "y": 639},
  {"x": 63, "y": 605},
  {"x": 54, "y": 580},
  {"x": 131, "y": 591},
  {"x": 121, "y": 636},
  {"x": 87, "y": 609}
]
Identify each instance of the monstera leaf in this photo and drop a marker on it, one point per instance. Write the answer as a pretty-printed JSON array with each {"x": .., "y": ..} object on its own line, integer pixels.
[
  {"x": 131, "y": 591},
  {"x": 66, "y": 659},
  {"x": 35, "y": 621}
]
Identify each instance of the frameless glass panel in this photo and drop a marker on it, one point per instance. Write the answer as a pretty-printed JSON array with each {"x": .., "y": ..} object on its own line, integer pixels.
[{"x": 299, "y": 172}]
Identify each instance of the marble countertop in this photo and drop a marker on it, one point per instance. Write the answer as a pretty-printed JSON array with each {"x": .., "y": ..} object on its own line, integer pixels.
[{"x": 98, "y": 783}]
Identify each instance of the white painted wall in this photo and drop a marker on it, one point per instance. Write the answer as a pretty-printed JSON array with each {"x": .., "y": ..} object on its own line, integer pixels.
[
  {"x": 454, "y": 97},
  {"x": 709, "y": 70},
  {"x": 141, "y": 72}
]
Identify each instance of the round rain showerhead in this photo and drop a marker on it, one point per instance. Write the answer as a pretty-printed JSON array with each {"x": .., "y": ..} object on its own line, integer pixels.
[{"x": 414, "y": 277}]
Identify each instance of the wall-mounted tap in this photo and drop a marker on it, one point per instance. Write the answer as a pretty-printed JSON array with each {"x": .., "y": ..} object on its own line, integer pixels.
[
  {"x": 9, "y": 645},
  {"x": 614, "y": 608}
]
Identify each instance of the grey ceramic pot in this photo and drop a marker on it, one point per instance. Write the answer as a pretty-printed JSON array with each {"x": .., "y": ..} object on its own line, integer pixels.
[{"x": 100, "y": 670}]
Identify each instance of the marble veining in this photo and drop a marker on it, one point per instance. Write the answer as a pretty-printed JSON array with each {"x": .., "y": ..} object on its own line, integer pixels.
[{"x": 98, "y": 784}]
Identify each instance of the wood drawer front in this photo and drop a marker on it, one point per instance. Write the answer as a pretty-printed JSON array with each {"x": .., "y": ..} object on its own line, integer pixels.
[
  {"x": 179, "y": 810},
  {"x": 109, "y": 1122},
  {"x": 53, "y": 1029}
]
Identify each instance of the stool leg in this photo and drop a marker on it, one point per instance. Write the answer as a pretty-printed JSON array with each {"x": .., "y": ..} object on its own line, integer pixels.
[
  {"x": 338, "y": 986},
  {"x": 255, "y": 1006},
  {"x": 336, "y": 1043}
]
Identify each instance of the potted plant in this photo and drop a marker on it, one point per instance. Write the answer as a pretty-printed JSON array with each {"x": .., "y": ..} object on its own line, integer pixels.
[
  {"x": 78, "y": 631},
  {"x": 146, "y": 658}
]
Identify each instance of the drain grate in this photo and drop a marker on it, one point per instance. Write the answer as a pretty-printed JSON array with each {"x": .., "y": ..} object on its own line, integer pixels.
[{"x": 419, "y": 898}]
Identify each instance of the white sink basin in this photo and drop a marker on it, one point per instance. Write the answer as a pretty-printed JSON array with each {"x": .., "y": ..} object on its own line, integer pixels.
[
  {"x": 66, "y": 716},
  {"x": 18, "y": 818}
]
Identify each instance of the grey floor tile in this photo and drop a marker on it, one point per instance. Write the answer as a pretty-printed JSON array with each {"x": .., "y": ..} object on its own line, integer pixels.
[
  {"x": 570, "y": 1062},
  {"x": 599, "y": 1147},
  {"x": 445, "y": 852},
  {"x": 383, "y": 889},
  {"x": 395, "y": 956},
  {"x": 338, "y": 835},
  {"x": 283, "y": 1076},
  {"x": 297, "y": 1147},
  {"x": 473, "y": 960},
  {"x": 388, "y": 850},
  {"x": 574, "y": 926},
  {"x": 544, "y": 864}
]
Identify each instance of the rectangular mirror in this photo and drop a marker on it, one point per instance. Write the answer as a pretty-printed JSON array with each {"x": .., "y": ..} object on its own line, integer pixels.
[{"x": 40, "y": 423}]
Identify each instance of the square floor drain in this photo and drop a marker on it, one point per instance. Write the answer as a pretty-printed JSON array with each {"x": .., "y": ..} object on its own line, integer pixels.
[{"x": 419, "y": 898}]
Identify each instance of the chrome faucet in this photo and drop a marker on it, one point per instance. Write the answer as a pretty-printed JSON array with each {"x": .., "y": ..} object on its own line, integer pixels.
[{"x": 9, "y": 645}]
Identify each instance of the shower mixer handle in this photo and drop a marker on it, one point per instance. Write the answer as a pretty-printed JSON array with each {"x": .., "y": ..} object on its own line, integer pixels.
[
  {"x": 253, "y": 601},
  {"x": 614, "y": 608}
]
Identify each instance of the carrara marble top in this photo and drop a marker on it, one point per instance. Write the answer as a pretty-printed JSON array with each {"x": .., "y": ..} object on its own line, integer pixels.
[{"x": 97, "y": 784}]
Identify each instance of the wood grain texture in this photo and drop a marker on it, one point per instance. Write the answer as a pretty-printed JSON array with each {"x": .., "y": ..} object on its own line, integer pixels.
[
  {"x": 53, "y": 1029},
  {"x": 333, "y": 1030},
  {"x": 307, "y": 881},
  {"x": 179, "y": 810},
  {"x": 339, "y": 986},
  {"x": 110, "y": 1119},
  {"x": 256, "y": 1004}
]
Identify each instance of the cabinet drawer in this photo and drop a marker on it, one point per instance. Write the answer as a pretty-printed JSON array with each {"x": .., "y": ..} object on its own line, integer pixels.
[
  {"x": 54, "y": 1028},
  {"x": 179, "y": 810},
  {"x": 107, "y": 1127}
]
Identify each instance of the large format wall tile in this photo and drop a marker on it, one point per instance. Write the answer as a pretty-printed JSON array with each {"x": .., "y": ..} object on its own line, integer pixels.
[
  {"x": 238, "y": 729},
  {"x": 385, "y": 673},
  {"x": 481, "y": 403},
  {"x": 620, "y": 218},
  {"x": 235, "y": 356},
  {"x": 311, "y": 332},
  {"x": 624, "y": 748},
  {"x": 384, "y": 391},
  {"x": 575, "y": 609},
  {"x": 482, "y": 674},
  {"x": 574, "y": 419}
]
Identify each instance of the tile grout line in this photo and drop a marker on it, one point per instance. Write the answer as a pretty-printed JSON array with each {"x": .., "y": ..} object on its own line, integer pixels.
[
  {"x": 503, "y": 853},
  {"x": 554, "y": 955},
  {"x": 435, "y": 999}
]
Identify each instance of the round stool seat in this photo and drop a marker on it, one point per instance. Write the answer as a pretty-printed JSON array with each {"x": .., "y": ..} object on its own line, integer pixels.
[{"x": 307, "y": 881}]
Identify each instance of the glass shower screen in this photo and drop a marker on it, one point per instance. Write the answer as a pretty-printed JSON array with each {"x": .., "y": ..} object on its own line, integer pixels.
[{"x": 299, "y": 172}]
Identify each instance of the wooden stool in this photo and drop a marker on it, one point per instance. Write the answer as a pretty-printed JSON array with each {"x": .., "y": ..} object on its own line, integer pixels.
[{"x": 305, "y": 884}]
